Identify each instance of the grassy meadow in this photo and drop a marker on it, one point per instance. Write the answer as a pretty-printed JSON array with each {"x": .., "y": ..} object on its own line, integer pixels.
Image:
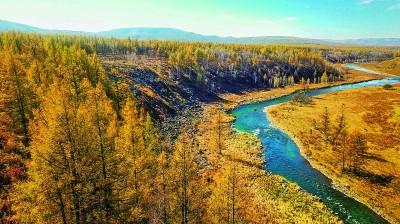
[
  {"x": 390, "y": 66},
  {"x": 372, "y": 111}
]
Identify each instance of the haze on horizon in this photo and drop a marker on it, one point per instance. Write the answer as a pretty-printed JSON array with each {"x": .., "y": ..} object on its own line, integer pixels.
[{"x": 326, "y": 19}]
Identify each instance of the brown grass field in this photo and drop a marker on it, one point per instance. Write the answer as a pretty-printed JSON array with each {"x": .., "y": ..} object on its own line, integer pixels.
[
  {"x": 391, "y": 67},
  {"x": 373, "y": 111}
]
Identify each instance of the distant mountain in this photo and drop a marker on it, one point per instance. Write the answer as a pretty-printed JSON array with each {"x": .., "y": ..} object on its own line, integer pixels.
[
  {"x": 371, "y": 41},
  {"x": 147, "y": 33},
  {"x": 275, "y": 40},
  {"x": 144, "y": 33},
  {"x": 180, "y": 35},
  {"x": 9, "y": 26}
]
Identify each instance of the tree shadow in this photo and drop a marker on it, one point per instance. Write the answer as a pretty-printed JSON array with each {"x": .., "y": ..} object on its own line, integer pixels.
[{"x": 380, "y": 179}]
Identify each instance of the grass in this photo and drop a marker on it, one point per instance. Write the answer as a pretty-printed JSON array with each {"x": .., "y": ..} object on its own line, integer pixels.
[
  {"x": 374, "y": 112},
  {"x": 232, "y": 100},
  {"x": 269, "y": 198},
  {"x": 391, "y": 67}
]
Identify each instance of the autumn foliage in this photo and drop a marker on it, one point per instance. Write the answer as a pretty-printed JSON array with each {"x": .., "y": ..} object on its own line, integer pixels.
[{"x": 78, "y": 147}]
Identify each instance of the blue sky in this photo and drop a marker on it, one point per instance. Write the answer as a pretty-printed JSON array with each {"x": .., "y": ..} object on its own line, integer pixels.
[{"x": 323, "y": 19}]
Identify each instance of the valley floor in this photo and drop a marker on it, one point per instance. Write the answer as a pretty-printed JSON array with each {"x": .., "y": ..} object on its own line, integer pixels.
[
  {"x": 276, "y": 199},
  {"x": 261, "y": 197},
  {"x": 373, "y": 111}
]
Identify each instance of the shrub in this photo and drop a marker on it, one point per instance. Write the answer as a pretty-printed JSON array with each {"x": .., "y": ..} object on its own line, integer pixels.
[
  {"x": 387, "y": 86},
  {"x": 301, "y": 99}
]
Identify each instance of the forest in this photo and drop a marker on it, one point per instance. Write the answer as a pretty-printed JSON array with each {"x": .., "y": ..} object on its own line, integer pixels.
[{"x": 78, "y": 143}]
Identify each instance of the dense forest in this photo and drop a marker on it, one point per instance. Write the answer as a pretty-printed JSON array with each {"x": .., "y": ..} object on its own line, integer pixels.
[
  {"x": 173, "y": 75},
  {"x": 77, "y": 145},
  {"x": 212, "y": 66}
]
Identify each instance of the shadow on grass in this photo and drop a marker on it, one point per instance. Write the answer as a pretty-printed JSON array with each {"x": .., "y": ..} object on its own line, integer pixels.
[
  {"x": 375, "y": 157},
  {"x": 380, "y": 179}
]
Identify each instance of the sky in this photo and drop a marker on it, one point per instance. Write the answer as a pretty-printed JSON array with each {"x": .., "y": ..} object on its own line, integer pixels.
[{"x": 320, "y": 19}]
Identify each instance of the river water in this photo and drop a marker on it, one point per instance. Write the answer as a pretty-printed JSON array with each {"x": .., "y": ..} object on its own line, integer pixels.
[{"x": 283, "y": 156}]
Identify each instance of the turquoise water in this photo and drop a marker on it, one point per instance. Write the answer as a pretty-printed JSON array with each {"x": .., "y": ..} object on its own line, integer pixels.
[
  {"x": 283, "y": 156},
  {"x": 353, "y": 66}
]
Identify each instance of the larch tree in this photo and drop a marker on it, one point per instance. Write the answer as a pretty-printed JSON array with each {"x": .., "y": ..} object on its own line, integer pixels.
[
  {"x": 343, "y": 147},
  {"x": 103, "y": 127},
  {"x": 227, "y": 202},
  {"x": 138, "y": 161},
  {"x": 324, "y": 77},
  {"x": 340, "y": 137},
  {"x": 357, "y": 147},
  {"x": 325, "y": 127},
  {"x": 341, "y": 125},
  {"x": 72, "y": 173},
  {"x": 305, "y": 87},
  {"x": 16, "y": 93},
  {"x": 59, "y": 189},
  {"x": 163, "y": 190},
  {"x": 187, "y": 203},
  {"x": 218, "y": 133}
]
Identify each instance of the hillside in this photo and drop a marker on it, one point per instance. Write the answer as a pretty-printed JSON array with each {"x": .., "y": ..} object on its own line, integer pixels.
[
  {"x": 151, "y": 33},
  {"x": 78, "y": 138},
  {"x": 389, "y": 66},
  {"x": 171, "y": 76},
  {"x": 9, "y": 26}
]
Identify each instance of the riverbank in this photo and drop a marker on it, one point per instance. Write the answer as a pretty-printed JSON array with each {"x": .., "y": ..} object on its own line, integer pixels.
[
  {"x": 372, "y": 111},
  {"x": 231, "y": 101},
  {"x": 266, "y": 198},
  {"x": 389, "y": 67},
  {"x": 297, "y": 206}
]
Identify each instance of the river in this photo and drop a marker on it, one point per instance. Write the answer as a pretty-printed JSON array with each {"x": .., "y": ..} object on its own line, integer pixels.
[{"x": 283, "y": 156}]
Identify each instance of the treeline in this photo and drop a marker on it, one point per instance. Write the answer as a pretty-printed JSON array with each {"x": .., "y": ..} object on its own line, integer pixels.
[
  {"x": 356, "y": 54},
  {"x": 211, "y": 67},
  {"x": 215, "y": 67}
]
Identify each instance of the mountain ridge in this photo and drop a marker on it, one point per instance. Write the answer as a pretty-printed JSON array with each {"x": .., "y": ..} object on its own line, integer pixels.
[{"x": 163, "y": 33}]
